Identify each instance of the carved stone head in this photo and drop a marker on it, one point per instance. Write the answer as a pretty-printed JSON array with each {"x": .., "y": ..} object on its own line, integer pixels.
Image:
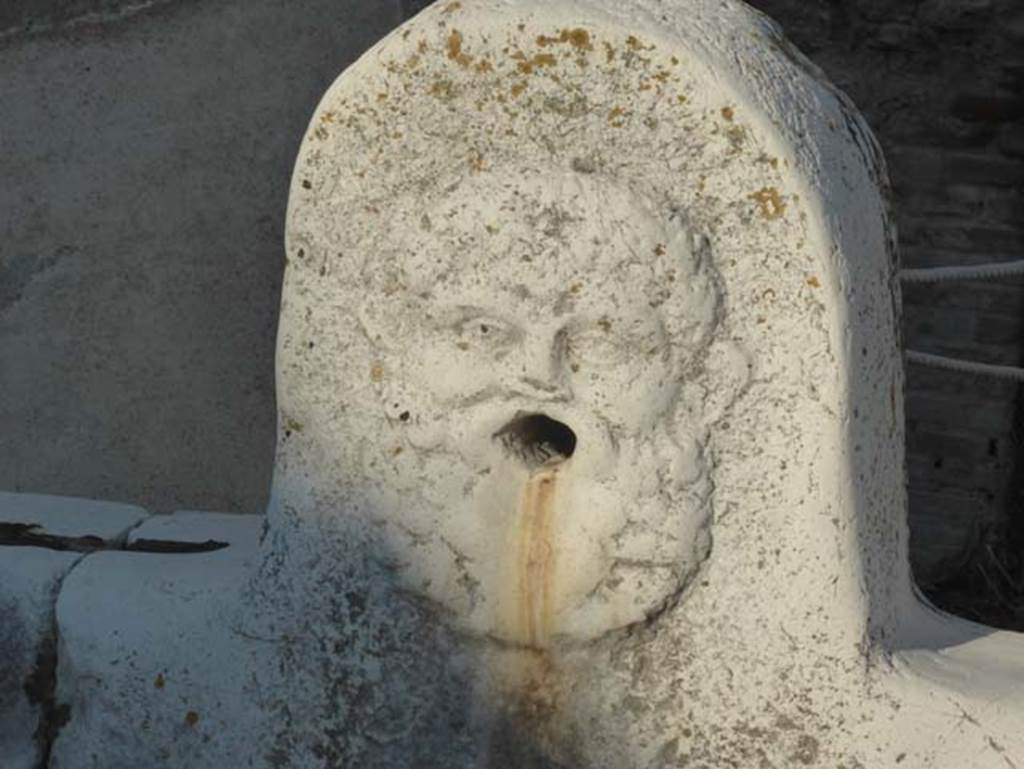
[
  {"x": 530, "y": 337},
  {"x": 563, "y": 302}
]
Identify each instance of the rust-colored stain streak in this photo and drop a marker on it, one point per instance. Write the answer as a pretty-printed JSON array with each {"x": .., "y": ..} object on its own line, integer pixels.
[{"x": 537, "y": 559}]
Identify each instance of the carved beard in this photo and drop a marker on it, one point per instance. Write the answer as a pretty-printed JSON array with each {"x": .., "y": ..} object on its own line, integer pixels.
[{"x": 537, "y": 553}]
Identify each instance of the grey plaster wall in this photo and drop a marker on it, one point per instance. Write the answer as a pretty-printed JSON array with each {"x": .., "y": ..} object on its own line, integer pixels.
[{"x": 144, "y": 165}]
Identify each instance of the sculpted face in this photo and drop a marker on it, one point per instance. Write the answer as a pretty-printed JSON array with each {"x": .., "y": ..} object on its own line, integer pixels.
[{"x": 534, "y": 334}]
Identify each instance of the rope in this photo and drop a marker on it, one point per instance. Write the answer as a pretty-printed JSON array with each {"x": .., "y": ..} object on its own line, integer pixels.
[
  {"x": 965, "y": 366},
  {"x": 975, "y": 272}
]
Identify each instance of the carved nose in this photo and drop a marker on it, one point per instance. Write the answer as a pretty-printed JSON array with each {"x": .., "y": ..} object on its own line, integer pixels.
[
  {"x": 543, "y": 371},
  {"x": 537, "y": 440},
  {"x": 547, "y": 388}
]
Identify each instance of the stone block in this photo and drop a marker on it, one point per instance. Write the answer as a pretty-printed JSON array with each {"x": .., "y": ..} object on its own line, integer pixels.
[
  {"x": 988, "y": 108},
  {"x": 66, "y": 522},
  {"x": 996, "y": 297},
  {"x": 894, "y": 36},
  {"x": 936, "y": 165},
  {"x": 167, "y": 687},
  {"x": 236, "y": 530},
  {"x": 986, "y": 243},
  {"x": 945, "y": 529},
  {"x": 968, "y": 421},
  {"x": 29, "y": 582},
  {"x": 953, "y": 14},
  {"x": 915, "y": 255},
  {"x": 41, "y": 539}
]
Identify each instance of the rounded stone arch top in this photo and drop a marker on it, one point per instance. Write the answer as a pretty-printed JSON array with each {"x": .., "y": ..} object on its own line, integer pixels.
[{"x": 701, "y": 110}]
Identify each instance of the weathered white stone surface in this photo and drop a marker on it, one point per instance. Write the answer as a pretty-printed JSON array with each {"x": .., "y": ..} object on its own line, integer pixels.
[
  {"x": 149, "y": 665},
  {"x": 71, "y": 517},
  {"x": 29, "y": 580},
  {"x": 590, "y": 441}
]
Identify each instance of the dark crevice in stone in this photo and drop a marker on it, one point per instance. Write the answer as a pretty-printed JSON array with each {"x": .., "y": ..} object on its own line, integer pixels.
[
  {"x": 40, "y": 686},
  {"x": 169, "y": 546},
  {"x": 29, "y": 535}
]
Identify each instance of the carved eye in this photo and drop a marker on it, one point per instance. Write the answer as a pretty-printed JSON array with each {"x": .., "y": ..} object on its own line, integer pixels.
[
  {"x": 605, "y": 344},
  {"x": 485, "y": 332}
]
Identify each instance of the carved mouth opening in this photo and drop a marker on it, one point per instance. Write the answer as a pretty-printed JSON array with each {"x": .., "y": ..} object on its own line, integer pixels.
[{"x": 537, "y": 440}]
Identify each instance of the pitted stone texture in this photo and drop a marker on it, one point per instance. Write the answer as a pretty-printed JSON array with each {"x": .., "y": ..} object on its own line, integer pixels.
[
  {"x": 107, "y": 522},
  {"x": 150, "y": 662},
  {"x": 418, "y": 170},
  {"x": 29, "y": 580},
  {"x": 490, "y": 390}
]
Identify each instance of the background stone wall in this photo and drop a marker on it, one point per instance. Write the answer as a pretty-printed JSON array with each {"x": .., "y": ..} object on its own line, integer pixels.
[
  {"x": 145, "y": 158},
  {"x": 145, "y": 150}
]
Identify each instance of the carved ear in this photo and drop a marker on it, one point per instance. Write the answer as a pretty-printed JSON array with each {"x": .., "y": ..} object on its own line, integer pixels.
[
  {"x": 728, "y": 370},
  {"x": 384, "y": 322},
  {"x": 726, "y": 374}
]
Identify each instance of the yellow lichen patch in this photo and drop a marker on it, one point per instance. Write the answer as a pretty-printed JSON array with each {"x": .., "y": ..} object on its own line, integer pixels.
[
  {"x": 659, "y": 249},
  {"x": 769, "y": 201},
  {"x": 518, "y": 88},
  {"x": 423, "y": 47},
  {"x": 527, "y": 66},
  {"x": 327, "y": 117},
  {"x": 452, "y": 7},
  {"x": 728, "y": 114},
  {"x": 484, "y": 65},
  {"x": 578, "y": 38},
  {"x": 442, "y": 89},
  {"x": 614, "y": 117},
  {"x": 377, "y": 372},
  {"x": 292, "y": 425},
  {"x": 455, "y": 52},
  {"x": 813, "y": 282}
]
